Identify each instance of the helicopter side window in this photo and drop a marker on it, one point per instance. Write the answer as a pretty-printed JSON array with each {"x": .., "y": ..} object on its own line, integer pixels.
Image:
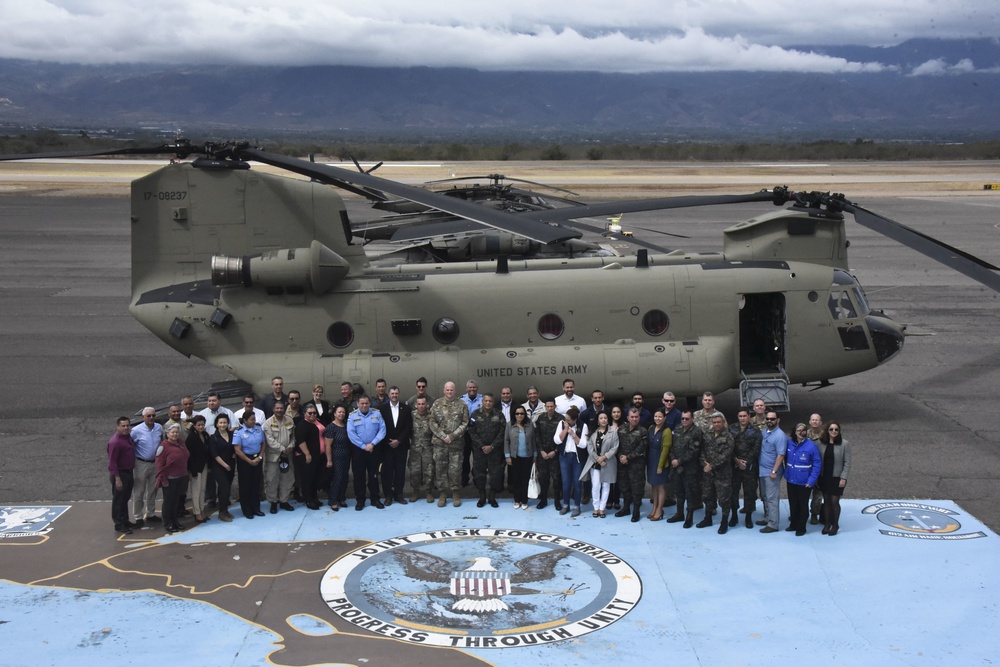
[
  {"x": 655, "y": 322},
  {"x": 551, "y": 326}
]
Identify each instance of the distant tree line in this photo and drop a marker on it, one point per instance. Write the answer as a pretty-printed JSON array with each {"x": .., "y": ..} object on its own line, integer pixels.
[{"x": 859, "y": 149}]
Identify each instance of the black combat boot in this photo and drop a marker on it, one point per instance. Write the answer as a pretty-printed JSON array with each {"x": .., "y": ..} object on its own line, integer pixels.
[
  {"x": 723, "y": 527},
  {"x": 635, "y": 513},
  {"x": 624, "y": 511},
  {"x": 733, "y": 519},
  {"x": 689, "y": 519},
  {"x": 493, "y": 499},
  {"x": 678, "y": 515},
  {"x": 749, "y": 522},
  {"x": 707, "y": 521},
  {"x": 543, "y": 502},
  {"x": 482, "y": 499}
]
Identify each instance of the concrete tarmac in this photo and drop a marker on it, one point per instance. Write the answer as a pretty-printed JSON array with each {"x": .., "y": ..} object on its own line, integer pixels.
[{"x": 923, "y": 426}]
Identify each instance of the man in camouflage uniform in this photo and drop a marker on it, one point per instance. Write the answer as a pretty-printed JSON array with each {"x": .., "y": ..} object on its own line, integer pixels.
[
  {"x": 449, "y": 421},
  {"x": 487, "y": 427},
  {"x": 685, "y": 453},
  {"x": 703, "y": 418},
  {"x": 547, "y": 458},
  {"x": 746, "y": 451},
  {"x": 421, "y": 461},
  {"x": 632, "y": 448},
  {"x": 759, "y": 411},
  {"x": 717, "y": 473}
]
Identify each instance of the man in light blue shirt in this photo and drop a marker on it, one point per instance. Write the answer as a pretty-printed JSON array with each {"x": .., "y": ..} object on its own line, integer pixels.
[
  {"x": 773, "y": 447},
  {"x": 147, "y": 436},
  {"x": 366, "y": 430}
]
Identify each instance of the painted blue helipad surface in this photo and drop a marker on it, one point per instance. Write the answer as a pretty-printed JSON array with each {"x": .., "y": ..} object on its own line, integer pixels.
[{"x": 905, "y": 582}]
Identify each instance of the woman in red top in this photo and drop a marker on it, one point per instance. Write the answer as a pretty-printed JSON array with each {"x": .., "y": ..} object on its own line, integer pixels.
[{"x": 172, "y": 475}]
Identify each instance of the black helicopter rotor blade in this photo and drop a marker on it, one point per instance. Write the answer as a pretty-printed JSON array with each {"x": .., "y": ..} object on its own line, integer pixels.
[
  {"x": 658, "y": 204},
  {"x": 484, "y": 215},
  {"x": 632, "y": 240},
  {"x": 965, "y": 263},
  {"x": 660, "y": 231},
  {"x": 496, "y": 178},
  {"x": 181, "y": 149}
]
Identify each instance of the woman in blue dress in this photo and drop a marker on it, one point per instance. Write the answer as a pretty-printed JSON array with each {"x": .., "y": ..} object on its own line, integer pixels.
[{"x": 660, "y": 439}]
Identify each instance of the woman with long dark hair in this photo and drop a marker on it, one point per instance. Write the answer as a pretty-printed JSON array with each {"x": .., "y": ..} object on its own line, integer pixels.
[
  {"x": 338, "y": 457},
  {"x": 220, "y": 447},
  {"x": 835, "y": 452}
]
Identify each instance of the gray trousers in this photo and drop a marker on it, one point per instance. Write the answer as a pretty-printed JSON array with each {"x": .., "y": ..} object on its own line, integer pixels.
[
  {"x": 770, "y": 492},
  {"x": 144, "y": 489}
]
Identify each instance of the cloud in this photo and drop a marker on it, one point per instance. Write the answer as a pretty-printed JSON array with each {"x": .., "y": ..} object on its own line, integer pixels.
[{"x": 560, "y": 35}]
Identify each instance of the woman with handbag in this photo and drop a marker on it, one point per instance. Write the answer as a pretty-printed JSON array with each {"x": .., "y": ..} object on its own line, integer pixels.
[{"x": 519, "y": 450}]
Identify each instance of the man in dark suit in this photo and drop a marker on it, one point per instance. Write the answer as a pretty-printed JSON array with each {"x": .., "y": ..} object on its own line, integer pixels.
[{"x": 398, "y": 426}]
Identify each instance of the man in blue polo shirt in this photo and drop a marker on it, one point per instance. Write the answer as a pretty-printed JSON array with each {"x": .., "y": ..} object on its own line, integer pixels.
[{"x": 774, "y": 445}]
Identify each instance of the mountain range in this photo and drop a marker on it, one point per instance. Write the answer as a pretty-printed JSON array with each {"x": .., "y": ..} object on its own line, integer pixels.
[{"x": 927, "y": 89}]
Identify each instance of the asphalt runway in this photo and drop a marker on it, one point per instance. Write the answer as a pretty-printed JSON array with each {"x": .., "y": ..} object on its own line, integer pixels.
[{"x": 924, "y": 426}]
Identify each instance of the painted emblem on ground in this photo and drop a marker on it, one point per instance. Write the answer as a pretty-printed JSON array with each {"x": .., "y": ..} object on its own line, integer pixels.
[
  {"x": 919, "y": 521},
  {"x": 481, "y": 588},
  {"x": 28, "y": 521}
]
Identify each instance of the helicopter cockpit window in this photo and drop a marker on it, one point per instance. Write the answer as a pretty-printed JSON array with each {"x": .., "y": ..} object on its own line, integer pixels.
[
  {"x": 655, "y": 323},
  {"x": 340, "y": 334},
  {"x": 551, "y": 326},
  {"x": 840, "y": 305},
  {"x": 445, "y": 331}
]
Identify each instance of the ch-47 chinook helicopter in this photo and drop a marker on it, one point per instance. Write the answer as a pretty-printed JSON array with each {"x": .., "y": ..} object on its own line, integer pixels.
[{"x": 258, "y": 274}]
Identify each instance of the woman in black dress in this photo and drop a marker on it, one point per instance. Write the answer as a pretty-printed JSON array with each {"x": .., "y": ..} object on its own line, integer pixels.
[
  {"x": 836, "y": 454},
  {"x": 220, "y": 446},
  {"x": 338, "y": 457}
]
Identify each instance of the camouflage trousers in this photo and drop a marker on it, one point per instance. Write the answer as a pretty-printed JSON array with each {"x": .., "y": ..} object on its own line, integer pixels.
[
  {"x": 686, "y": 487},
  {"x": 717, "y": 486},
  {"x": 746, "y": 480},
  {"x": 488, "y": 467},
  {"x": 448, "y": 466},
  {"x": 632, "y": 480},
  {"x": 546, "y": 470},
  {"x": 421, "y": 466}
]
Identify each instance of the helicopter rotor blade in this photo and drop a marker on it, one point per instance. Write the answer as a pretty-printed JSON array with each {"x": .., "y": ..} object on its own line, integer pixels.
[
  {"x": 496, "y": 178},
  {"x": 634, "y": 206},
  {"x": 181, "y": 149},
  {"x": 965, "y": 263},
  {"x": 484, "y": 215},
  {"x": 632, "y": 240}
]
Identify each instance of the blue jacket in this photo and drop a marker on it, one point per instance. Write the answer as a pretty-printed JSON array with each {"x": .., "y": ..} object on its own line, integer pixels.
[
  {"x": 802, "y": 463},
  {"x": 362, "y": 429}
]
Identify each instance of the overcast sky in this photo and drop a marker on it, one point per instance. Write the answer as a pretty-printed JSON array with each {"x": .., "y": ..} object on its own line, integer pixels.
[{"x": 624, "y": 36}]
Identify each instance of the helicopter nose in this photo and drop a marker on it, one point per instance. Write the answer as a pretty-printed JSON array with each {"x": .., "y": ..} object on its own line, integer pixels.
[{"x": 887, "y": 336}]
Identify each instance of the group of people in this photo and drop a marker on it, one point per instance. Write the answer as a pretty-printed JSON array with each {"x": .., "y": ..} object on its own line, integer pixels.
[{"x": 598, "y": 453}]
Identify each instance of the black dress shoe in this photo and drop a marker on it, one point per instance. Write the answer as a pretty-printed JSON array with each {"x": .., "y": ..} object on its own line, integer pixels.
[
  {"x": 399, "y": 499},
  {"x": 313, "y": 505},
  {"x": 258, "y": 513},
  {"x": 482, "y": 501},
  {"x": 152, "y": 518},
  {"x": 388, "y": 502},
  {"x": 125, "y": 530},
  {"x": 378, "y": 504},
  {"x": 360, "y": 506},
  {"x": 248, "y": 515},
  {"x": 558, "y": 505},
  {"x": 542, "y": 504},
  {"x": 286, "y": 506},
  {"x": 274, "y": 508}
]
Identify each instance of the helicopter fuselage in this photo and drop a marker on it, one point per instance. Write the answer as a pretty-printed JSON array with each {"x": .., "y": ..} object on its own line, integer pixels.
[{"x": 290, "y": 295}]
